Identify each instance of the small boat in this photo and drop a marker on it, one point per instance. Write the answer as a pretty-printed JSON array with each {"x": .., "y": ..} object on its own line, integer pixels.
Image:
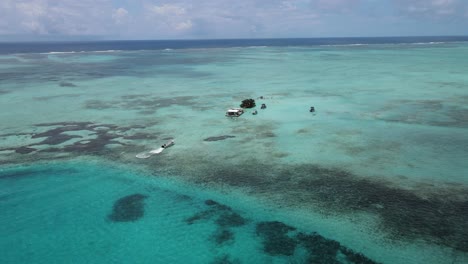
[
  {"x": 234, "y": 112},
  {"x": 147, "y": 154},
  {"x": 168, "y": 144}
]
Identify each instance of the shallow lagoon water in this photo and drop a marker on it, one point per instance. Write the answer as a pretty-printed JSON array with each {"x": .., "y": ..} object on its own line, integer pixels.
[{"x": 379, "y": 167}]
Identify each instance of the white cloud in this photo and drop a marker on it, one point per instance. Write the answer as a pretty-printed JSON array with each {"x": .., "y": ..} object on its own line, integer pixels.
[
  {"x": 49, "y": 17},
  {"x": 336, "y": 5},
  {"x": 440, "y": 8},
  {"x": 168, "y": 10},
  {"x": 170, "y": 20},
  {"x": 221, "y": 18},
  {"x": 184, "y": 25},
  {"x": 120, "y": 15}
]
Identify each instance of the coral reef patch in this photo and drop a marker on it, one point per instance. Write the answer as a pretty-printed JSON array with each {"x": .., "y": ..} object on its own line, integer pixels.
[
  {"x": 276, "y": 240},
  {"x": 223, "y": 236},
  {"x": 225, "y": 259},
  {"x": 218, "y": 138},
  {"x": 280, "y": 239},
  {"x": 128, "y": 209},
  {"x": 436, "y": 216}
]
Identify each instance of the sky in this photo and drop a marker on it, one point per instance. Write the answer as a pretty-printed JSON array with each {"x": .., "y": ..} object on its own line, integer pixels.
[{"x": 216, "y": 19}]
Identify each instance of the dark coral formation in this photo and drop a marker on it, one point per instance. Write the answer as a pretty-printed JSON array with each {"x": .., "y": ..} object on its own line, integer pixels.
[
  {"x": 224, "y": 217},
  {"x": 438, "y": 218},
  {"x": 223, "y": 236},
  {"x": 24, "y": 150},
  {"x": 128, "y": 209},
  {"x": 276, "y": 239},
  {"x": 248, "y": 103},
  {"x": 218, "y": 138},
  {"x": 217, "y": 205},
  {"x": 203, "y": 215},
  {"x": 403, "y": 212},
  {"x": 141, "y": 135},
  {"x": 56, "y": 136},
  {"x": 224, "y": 259},
  {"x": 417, "y": 112},
  {"x": 56, "y": 140},
  {"x": 322, "y": 250},
  {"x": 58, "y": 133},
  {"x": 230, "y": 219},
  {"x": 280, "y": 239}
]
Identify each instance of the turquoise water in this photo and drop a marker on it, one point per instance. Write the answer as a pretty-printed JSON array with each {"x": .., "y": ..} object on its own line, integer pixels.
[{"x": 379, "y": 169}]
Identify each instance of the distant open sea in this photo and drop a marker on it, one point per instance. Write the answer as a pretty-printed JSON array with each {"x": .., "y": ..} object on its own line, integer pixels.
[
  {"x": 135, "y": 45},
  {"x": 376, "y": 174}
]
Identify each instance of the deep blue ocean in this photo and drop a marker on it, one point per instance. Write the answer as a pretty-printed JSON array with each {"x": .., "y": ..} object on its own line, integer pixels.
[{"x": 77, "y": 46}]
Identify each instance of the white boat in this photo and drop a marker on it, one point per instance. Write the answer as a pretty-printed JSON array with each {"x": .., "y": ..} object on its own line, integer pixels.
[
  {"x": 234, "y": 112},
  {"x": 168, "y": 144},
  {"x": 147, "y": 154}
]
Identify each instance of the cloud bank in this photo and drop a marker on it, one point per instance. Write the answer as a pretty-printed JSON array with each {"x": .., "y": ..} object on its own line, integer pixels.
[{"x": 154, "y": 19}]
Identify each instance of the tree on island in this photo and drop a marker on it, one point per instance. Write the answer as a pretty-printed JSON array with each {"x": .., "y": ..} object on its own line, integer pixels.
[{"x": 248, "y": 103}]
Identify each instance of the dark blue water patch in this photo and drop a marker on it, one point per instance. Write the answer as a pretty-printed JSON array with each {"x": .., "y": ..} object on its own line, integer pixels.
[
  {"x": 24, "y": 173},
  {"x": 76, "y": 46},
  {"x": 40, "y": 69},
  {"x": 128, "y": 209}
]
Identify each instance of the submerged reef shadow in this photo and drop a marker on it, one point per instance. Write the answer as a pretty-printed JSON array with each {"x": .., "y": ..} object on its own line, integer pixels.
[
  {"x": 225, "y": 219},
  {"x": 128, "y": 209},
  {"x": 143, "y": 104},
  {"x": 218, "y": 138},
  {"x": 425, "y": 112},
  {"x": 225, "y": 216},
  {"x": 225, "y": 259},
  {"x": 436, "y": 215},
  {"x": 403, "y": 213},
  {"x": 31, "y": 173},
  {"x": 280, "y": 239}
]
